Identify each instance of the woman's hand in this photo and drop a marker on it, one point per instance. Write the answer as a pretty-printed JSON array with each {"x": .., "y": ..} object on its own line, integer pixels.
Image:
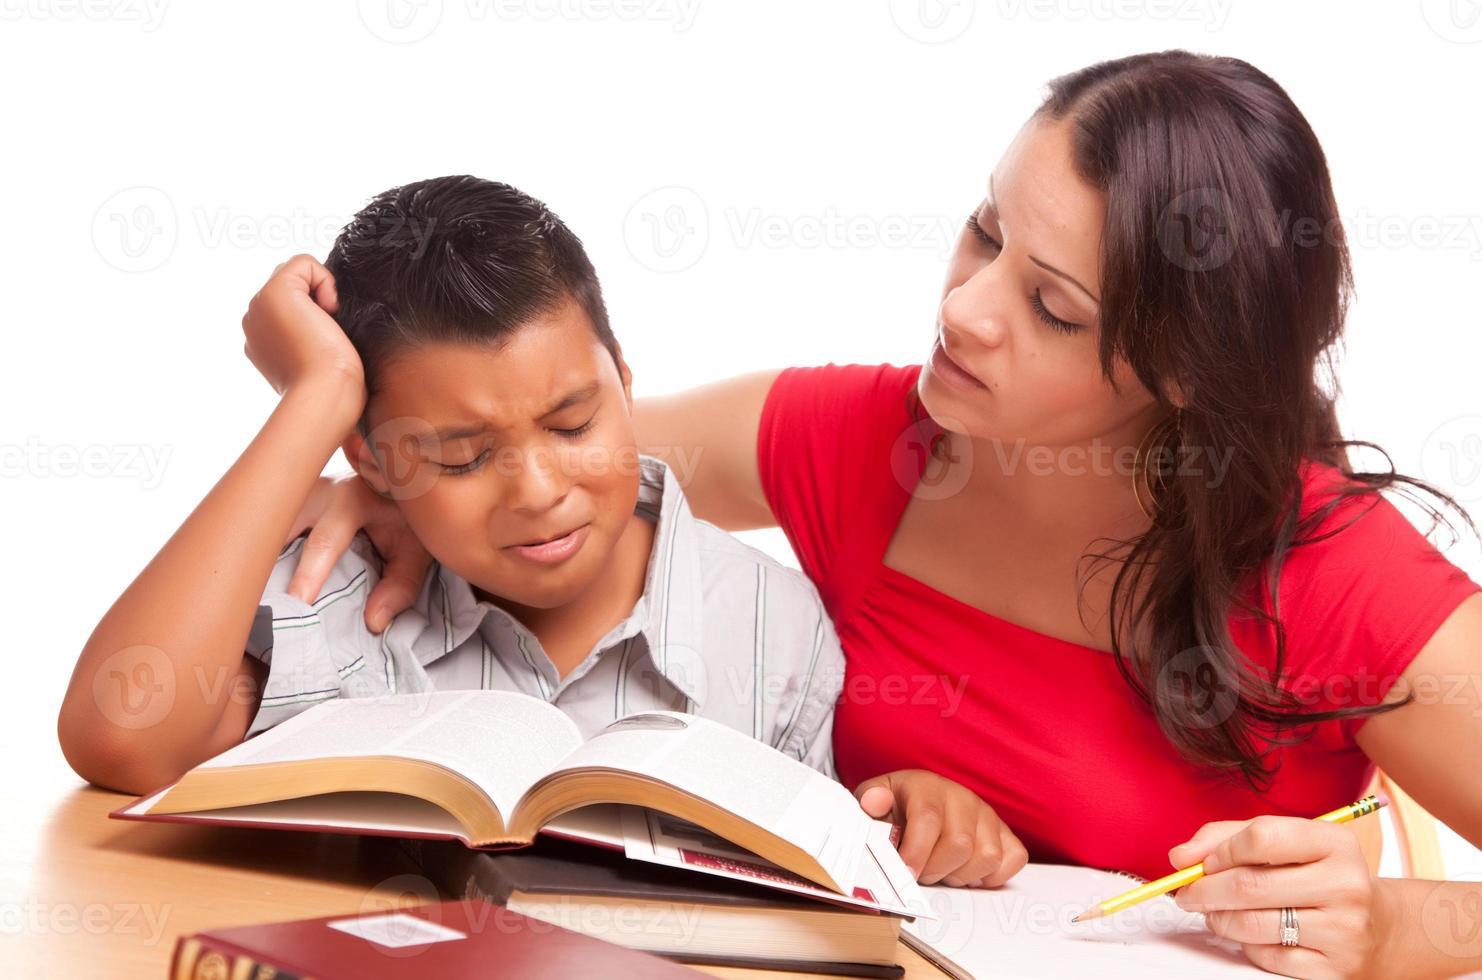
[
  {"x": 1254, "y": 868},
  {"x": 292, "y": 337},
  {"x": 336, "y": 508},
  {"x": 951, "y": 836}
]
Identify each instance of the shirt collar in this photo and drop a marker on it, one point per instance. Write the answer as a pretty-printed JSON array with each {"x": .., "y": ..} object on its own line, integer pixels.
[{"x": 669, "y": 612}]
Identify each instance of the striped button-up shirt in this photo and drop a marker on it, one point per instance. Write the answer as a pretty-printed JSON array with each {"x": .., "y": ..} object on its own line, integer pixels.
[{"x": 721, "y": 630}]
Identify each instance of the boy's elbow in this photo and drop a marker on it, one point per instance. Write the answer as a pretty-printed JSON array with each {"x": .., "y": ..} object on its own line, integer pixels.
[{"x": 122, "y": 765}]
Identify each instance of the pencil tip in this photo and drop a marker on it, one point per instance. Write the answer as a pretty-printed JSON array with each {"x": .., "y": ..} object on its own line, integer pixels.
[
  {"x": 1075, "y": 918},
  {"x": 1094, "y": 912}
]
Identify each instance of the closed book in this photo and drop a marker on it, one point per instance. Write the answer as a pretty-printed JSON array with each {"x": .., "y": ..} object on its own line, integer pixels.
[
  {"x": 443, "y": 940},
  {"x": 691, "y": 917}
]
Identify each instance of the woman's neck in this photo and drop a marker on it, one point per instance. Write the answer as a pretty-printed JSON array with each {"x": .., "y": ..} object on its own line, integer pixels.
[{"x": 1079, "y": 486}]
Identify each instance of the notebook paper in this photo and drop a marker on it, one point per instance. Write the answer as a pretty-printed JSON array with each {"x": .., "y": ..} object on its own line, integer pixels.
[{"x": 1022, "y": 930}]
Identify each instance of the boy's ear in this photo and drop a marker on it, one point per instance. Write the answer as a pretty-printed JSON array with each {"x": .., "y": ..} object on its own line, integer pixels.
[
  {"x": 358, "y": 452},
  {"x": 625, "y": 374}
]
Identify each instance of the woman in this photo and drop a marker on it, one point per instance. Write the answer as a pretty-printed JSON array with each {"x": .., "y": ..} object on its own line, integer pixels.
[{"x": 1103, "y": 561}]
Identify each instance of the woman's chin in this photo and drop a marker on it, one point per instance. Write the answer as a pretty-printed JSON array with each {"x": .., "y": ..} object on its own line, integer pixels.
[{"x": 947, "y": 406}]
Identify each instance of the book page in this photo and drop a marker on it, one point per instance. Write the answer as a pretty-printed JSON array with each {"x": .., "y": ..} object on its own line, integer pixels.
[
  {"x": 356, "y": 812},
  {"x": 740, "y": 774},
  {"x": 1022, "y": 929},
  {"x": 501, "y": 740}
]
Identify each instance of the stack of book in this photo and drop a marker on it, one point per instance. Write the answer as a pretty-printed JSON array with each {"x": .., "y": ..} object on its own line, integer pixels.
[{"x": 663, "y": 832}]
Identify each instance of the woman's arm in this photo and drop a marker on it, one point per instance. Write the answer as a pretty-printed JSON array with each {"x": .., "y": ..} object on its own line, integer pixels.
[
  {"x": 708, "y": 437},
  {"x": 159, "y": 685},
  {"x": 1433, "y": 749}
]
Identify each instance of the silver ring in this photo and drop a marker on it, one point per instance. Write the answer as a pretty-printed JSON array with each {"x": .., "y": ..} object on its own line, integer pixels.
[{"x": 1290, "y": 934}]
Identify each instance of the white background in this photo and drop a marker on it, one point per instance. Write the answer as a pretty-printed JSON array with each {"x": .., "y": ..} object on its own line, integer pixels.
[{"x": 759, "y": 184}]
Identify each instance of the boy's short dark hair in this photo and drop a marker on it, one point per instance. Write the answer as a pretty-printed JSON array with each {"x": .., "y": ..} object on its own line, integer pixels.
[{"x": 455, "y": 259}]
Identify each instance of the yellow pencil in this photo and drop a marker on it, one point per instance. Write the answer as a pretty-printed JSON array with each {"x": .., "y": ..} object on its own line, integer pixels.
[{"x": 1188, "y": 875}]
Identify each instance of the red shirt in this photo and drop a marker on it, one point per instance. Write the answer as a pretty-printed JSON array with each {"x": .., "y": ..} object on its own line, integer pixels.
[{"x": 1045, "y": 730}]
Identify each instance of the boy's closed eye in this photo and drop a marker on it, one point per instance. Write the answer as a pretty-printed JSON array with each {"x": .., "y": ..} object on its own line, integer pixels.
[{"x": 481, "y": 456}]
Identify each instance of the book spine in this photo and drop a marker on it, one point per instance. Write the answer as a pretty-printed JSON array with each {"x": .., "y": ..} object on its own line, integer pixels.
[{"x": 201, "y": 958}]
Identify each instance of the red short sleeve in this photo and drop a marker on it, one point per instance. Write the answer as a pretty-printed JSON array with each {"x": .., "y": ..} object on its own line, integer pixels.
[
  {"x": 1359, "y": 603},
  {"x": 824, "y": 451}
]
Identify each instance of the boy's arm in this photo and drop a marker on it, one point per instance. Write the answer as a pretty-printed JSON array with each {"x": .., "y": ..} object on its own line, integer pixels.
[{"x": 162, "y": 684}]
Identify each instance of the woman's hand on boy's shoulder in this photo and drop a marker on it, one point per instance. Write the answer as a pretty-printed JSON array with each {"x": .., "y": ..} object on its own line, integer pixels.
[
  {"x": 335, "y": 509},
  {"x": 951, "y": 836},
  {"x": 291, "y": 335}
]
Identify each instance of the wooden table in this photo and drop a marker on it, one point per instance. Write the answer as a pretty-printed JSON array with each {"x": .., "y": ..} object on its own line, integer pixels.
[{"x": 86, "y": 896}]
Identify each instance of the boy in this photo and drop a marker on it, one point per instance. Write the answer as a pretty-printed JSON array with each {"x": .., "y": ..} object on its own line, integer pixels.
[{"x": 469, "y": 374}]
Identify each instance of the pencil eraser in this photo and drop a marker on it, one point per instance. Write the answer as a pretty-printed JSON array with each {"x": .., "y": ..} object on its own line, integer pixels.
[{"x": 1383, "y": 798}]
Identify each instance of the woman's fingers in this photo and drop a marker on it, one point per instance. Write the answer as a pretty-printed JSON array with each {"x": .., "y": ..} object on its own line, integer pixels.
[
  {"x": 1275, "y": 840},
  {"x": 1205, "y": 839},
  {"x": 1260, "y": 927},
  {"x": 1249, "y": 887},
  {"x": 328, "y": 539},
  {"x": 400, "y": 584}
]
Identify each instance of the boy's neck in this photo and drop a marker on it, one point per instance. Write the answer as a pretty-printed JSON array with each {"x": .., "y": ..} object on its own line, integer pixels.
[{"x": 567, "y": 633}]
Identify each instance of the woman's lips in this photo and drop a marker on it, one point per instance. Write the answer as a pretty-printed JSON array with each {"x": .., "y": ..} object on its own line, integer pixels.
[
  {"x": 951, "y": 372},
  {"x": 555, "y": 551}
]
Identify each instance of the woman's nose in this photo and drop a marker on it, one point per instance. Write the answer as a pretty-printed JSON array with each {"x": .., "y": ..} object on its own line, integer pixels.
[{"x": 977, "y": 309}]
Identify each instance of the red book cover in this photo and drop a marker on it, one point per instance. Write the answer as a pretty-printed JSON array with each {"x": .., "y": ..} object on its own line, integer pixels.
[{"x": 467, "y": 938}]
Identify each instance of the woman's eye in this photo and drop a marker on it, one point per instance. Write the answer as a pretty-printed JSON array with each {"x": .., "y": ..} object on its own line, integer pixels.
[
  {"x": 1038, "y": 304},
  {"x": 453, "y": 469},
  {"x": 980, "y": 234}
]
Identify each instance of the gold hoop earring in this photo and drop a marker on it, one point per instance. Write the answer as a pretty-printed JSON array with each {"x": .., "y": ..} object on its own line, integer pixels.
[{"x": 1163, "y": 435}]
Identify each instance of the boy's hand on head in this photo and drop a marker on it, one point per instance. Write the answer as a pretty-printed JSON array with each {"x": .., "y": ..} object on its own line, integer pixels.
[
  {"x": 292, "y": 337},
  {"x": 333, "y": 512},
  {"x": 951, "y": 836}
]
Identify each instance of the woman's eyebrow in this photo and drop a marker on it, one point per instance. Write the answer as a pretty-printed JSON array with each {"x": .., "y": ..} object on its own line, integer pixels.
[
  {"x": 991, "y": 206},
  {"x": 576, "y": 397}
]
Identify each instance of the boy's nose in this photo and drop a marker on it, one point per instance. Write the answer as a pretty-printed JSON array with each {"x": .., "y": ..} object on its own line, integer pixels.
[{"x": 540, "y": 485}]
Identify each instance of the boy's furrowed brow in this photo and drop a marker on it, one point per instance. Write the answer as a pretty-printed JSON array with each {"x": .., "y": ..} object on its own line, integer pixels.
[{"x": 576, "y": 397}]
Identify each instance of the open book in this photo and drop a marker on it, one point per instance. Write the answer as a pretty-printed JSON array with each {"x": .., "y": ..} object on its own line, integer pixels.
[{"x": 494, "y": 768}]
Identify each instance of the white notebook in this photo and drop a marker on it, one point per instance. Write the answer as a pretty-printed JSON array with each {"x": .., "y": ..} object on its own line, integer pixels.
[{"x": 1023, "y": 930}]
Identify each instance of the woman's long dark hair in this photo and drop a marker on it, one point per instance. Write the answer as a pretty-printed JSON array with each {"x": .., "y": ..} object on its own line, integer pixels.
[{"x": 1226, "y": 274}]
